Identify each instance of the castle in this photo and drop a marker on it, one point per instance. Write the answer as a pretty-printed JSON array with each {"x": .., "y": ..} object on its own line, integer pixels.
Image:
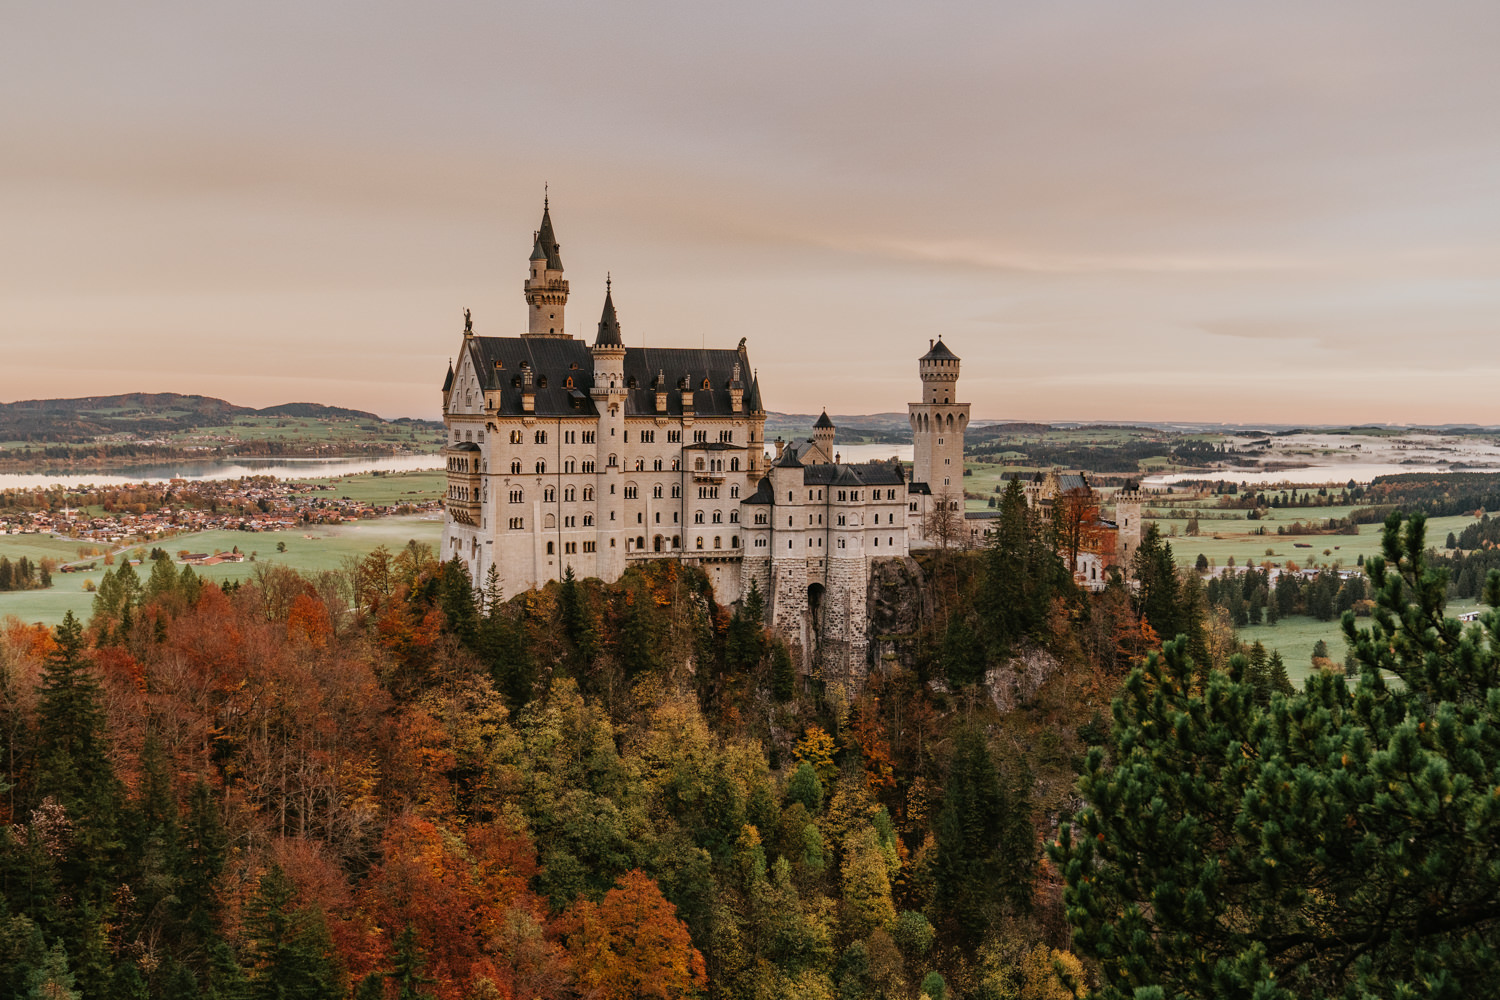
[{"x": 563, "y": 453}]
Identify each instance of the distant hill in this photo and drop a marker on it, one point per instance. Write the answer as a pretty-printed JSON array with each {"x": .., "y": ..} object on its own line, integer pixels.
[{"x": 89, "y": 418}]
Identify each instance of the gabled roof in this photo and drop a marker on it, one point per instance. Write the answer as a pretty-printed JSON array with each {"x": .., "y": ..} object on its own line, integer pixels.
[
  {"x": 448, "y": 381},
  {"x": 823, "y": 422},
  {"x": 788, "y": 460},
  {"x": 939, "y": 350}
]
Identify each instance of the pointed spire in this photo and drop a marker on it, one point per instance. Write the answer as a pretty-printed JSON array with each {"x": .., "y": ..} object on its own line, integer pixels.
[
  {"x": 823, "y": 422},
  {"x": 546, "y": 241},
  {"x": 609, "y": 324}
]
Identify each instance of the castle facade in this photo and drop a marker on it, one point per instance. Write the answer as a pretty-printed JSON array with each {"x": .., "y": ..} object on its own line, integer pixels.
[{"x": 562, "y": 453}]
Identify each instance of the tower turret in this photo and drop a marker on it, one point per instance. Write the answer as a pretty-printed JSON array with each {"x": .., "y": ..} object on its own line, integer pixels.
[
  {"x": 546, "y": 289},
  {"x": 823, "y": 432},
  {"x": 938, "y": 423},
  {"x": 608, "y": 394}
]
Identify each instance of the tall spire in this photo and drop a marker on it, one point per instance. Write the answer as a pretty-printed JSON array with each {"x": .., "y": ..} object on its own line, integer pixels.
[
  {"x": 546, "y": 288},
  {"x": 609, "y": 324},
  {"x": 546, "y": 241}
]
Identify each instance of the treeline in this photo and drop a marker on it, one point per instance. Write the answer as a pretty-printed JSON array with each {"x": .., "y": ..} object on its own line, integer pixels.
[
  {"x": 1469, "y": 557},
  {"x": 23, "y": 574},
  {"x": 385, "y": 782},
  {"x": 1439, "y": 494},
  {"x": 1250, "y": 596}
]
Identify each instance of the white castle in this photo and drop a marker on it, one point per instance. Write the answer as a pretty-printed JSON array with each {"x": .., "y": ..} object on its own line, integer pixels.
[{"x": 562, "y": 453}]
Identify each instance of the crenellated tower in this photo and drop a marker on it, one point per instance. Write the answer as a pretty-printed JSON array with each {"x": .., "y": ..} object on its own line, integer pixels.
[
  {"x": 938, "y": 423},
  {"x": 546, "y": 289}
]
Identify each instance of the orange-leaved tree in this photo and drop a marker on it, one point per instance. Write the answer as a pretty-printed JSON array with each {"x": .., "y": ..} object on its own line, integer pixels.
[{"x": 631, "y": 944}]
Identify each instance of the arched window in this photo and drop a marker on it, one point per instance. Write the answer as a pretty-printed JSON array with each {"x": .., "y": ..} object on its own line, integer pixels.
[
  {"x": 515, "y": 467},
  {"x": 613, "y": 461},
  {"x": 734, "y": 492},
  {"x": 640, "y": 465},
  {"x": 734, "y": 541},
  {"x": 700, "y": 541},
  {"x": 515, "y": 437},
  {"x": 698, "y": 517},
  {"x": 657, "y": 465},
  {"x": 676, "y": 541},
  {"x": 541, "y": 437},
  {"x": 734, "y": 517},
  {"x": 656, "y": 491},
  {"x": 698, "y": 464},
  {"x": 569, "y": 494},
  {"x": 549, "y": 548},
  {"x": 640, "y": 542},
  {"x": 718, "y": 517},
  {"x": 734, "y": 465},
  {"x": 541, "y": 467},
  {"x": 717, "y": 543}
]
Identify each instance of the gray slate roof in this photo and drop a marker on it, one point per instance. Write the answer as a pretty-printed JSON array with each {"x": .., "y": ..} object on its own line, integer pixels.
[
  {"x": 547, "y": 242},
  {"x": 939, "y": 350},
  {"x": 864, "y": 474},
  {"x": 556, "y": 360},
  {"x": 823, "y": 421}
]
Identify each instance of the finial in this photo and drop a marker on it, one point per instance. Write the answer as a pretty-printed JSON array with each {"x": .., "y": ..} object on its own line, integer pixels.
[
  {"x": 544, "y": 196},
  {"x": 607, "y": 280}
]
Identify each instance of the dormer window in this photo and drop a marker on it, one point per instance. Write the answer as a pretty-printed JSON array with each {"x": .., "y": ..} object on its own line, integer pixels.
[
  {"x": 569, "y": 383},
  {"x": 541, "y": 381},
  {"x": 705, "y": 383}
]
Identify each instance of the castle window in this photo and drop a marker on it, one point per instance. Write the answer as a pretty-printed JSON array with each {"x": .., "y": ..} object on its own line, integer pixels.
[
  {"x": 570, "y": 494},
  {"x": 626, "y": 436},
  {"x": 674, "y": 437},
  {"x": 698, "y": 465},
  {"x": 630, "y": 492},
  {"x": 841, "y": 543},
  {"x": 676, "y": 541},
  {"x": 718, "y": 517},
  {"x": 515, "y": 437},
  {"x": 570, "y": 547},
  {"x": 541, "y": 468},
  {"x": 698, "y": 517},
  {"x": 842, "y": 521},
  {"x": 568, "y": 383},
  {"x": 569, "y": 465},
  {"x": 700, "y": 437},
  {"x": 717, "y": 544},
  {"x": 726, "y": 437},
  {"x": 640, "y": 465},
  {"x": 588, "y": 520},
  {"x": 515, "y": 467},
  {"x": 570, "y": 521},
  {"x": 588, "y": 437},
  {"x": 734, "y": 465},
  {"x": 656, "y": 491},
  {"x": 613, "y": 461},
  {"x": 517, "y": 523},
  {"x": 590, "y": 546},
  {"x": 734, "y": 492},
  {"x": 541, "y": 381},
  {"x": 657, "y": 465},
  {"x": 877, "y": 543},
  {"x": 705, "y": 385},
  {"x": 700, "y": 541},
  {"x": 841, "y": 494},
  {"x": 549, "y": 548},
  {"x": 734, "y": 517},
  {"x": 734, "y": 541},
  {"x": 676, "y": 492},
  {"x": 588, "y": 465},
  {"x": 516, "y": 496},
  {"x": 549, "y": 495},
  {"x": 676, "y": 464},
  {"x": 588, "y": 494}
]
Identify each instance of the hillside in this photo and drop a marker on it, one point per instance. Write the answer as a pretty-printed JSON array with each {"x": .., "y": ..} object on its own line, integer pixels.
[{"x": 142, "y": 413}]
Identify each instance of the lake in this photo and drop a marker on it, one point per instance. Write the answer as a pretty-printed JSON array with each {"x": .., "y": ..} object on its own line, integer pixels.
[
  {"x": 1312, "y": 475},
  {"x": 281, "y": 468}
]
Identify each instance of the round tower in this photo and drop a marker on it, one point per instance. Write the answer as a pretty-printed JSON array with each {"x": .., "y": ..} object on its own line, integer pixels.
[
  {"x": 938, "y": 423},
  {"x": 608, "y": 394},
  {"x": 546, "y": 289}
]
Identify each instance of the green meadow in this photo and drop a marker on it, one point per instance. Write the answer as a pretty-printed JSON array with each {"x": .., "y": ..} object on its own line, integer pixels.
[
  {"x": 1218, "y": 540},
  {"x": 1295, "y": 637},
  {"x": 308, "y": 550}
]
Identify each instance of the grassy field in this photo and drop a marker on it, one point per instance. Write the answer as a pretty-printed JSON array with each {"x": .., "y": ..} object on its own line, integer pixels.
[
  {"x": 311, "y": 550},
  {"x": 389, "y": 487},
  {"x": 1221, "y": 539},
  {"x": 1295, "y": 637}
]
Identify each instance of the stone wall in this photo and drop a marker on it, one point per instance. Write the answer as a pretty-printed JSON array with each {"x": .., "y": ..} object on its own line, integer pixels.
[{"x": 896, "y": 603}]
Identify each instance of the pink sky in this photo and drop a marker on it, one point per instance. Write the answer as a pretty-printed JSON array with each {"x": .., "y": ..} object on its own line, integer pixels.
[{"x": 1273, "y": 212}]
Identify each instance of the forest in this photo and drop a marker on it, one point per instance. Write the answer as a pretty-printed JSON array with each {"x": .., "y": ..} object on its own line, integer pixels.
[{"x": 387, "y": 782}]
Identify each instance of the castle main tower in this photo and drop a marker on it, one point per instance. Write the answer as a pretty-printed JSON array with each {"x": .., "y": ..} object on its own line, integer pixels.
[
  {"x": 546, "y": 289},
  {"x": 938, "y": 423}
]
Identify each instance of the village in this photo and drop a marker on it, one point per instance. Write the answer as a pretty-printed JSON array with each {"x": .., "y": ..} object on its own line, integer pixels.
[{"x": 151, "y": 512}]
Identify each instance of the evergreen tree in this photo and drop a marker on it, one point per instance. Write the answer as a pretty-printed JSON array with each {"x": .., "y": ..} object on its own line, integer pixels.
[
  {"x": 1341, "y": 843},
  {"x": 986, "y": 850},
  {"x": 455, "y": 595},
  {"x": 289, "y": 946}
]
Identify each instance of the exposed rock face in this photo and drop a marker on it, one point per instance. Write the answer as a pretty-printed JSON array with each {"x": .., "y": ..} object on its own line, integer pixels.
[
  {"x": 1020, "y": 678},
  {"x": 895, "y": 605}
]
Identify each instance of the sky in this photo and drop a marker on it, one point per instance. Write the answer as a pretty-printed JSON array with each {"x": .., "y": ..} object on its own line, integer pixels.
[{"x": 1270, "y": 212}]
